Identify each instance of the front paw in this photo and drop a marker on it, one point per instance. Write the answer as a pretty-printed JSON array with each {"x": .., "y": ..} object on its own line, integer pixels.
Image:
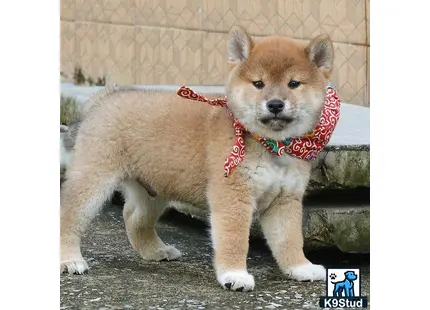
[
  {"x": 307, "y": 272},
  {"x": 237, "y": 281}
]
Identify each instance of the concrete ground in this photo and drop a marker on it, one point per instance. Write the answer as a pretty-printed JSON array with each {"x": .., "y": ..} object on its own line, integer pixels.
[{"x": 120, "y": 279}]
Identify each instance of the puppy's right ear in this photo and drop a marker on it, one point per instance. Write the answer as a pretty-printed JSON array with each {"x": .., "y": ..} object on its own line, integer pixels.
[{"x": 239, "y": 44}]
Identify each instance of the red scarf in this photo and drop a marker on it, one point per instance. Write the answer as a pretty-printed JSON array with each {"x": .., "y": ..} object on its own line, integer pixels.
[{"x": 306, "y": 147}]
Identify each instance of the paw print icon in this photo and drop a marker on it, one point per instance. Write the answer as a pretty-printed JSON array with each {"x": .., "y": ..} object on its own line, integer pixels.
[{"x": 333, "y": 276}]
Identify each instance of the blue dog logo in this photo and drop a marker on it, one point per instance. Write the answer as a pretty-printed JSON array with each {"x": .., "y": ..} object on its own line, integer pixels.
[
  {"x": 343, "y": 294},
  {"x": 345, "y": 287}
]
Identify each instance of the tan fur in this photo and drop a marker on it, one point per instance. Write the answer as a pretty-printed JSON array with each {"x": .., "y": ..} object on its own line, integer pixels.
[{"x": 140, "y": 141}]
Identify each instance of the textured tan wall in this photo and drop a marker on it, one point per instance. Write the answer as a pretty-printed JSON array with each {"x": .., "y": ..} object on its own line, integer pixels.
[{"x": 183, "y": 41}]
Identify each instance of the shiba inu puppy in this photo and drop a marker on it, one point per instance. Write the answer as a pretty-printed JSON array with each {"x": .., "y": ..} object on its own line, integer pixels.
[{"x": 156, "y": 146}]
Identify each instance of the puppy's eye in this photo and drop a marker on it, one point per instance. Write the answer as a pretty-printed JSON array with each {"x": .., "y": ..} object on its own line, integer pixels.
[
  {"x": 293, "y": 84},
  {"x": 258, "y": 84}
]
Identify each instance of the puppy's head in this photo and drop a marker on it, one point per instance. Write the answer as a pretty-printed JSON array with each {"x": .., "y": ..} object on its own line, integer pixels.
[
  {"x": 276, "y": 85},
  {"x": 350, "y": 275}
]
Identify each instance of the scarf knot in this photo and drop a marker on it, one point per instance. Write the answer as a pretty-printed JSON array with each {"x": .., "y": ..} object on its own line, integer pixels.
[{"x": 306, "y": 147}]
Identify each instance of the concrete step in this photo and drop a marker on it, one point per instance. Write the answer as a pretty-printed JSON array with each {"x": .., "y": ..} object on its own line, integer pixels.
[{"x": 331, "y": 219}]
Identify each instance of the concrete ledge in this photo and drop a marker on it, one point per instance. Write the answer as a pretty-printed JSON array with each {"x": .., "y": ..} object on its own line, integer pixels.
[
  {"x": 341, "y": 168},
  {"x": 346, "y": 227}
]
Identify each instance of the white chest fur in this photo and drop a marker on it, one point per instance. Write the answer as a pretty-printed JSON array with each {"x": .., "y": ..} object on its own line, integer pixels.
[{"x": 268, "y": 174}]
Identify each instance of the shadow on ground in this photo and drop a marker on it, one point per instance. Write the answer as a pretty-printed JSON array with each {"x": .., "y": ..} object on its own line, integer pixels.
[{"x": 120, "y": 279}]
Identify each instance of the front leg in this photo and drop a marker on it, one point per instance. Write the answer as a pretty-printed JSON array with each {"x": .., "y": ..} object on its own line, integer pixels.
[
  {"x": 282, "y": 227},
  {"x": 231, "y": 216}
]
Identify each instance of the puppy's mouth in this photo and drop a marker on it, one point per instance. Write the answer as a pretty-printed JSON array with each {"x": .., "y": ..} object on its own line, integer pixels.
[{"x": 277, "y": 123}]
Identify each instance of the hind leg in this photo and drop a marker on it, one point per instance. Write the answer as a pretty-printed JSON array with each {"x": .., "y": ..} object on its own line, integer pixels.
[
  {"x": 82, "y": 196},
  {"x": 141, "y": 213}
]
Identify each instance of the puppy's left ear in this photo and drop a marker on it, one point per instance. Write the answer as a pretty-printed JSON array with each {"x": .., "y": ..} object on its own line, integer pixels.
[{"x": 321, "y": 52}]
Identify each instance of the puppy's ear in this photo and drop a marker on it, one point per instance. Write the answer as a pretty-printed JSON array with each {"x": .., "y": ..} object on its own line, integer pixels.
[
  {"x": 239, "y": 45},
  {"x": 321, "y": 52}
]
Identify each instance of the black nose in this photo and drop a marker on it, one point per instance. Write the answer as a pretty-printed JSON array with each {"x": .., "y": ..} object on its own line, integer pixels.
[{"x": 275, "y": 106}]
